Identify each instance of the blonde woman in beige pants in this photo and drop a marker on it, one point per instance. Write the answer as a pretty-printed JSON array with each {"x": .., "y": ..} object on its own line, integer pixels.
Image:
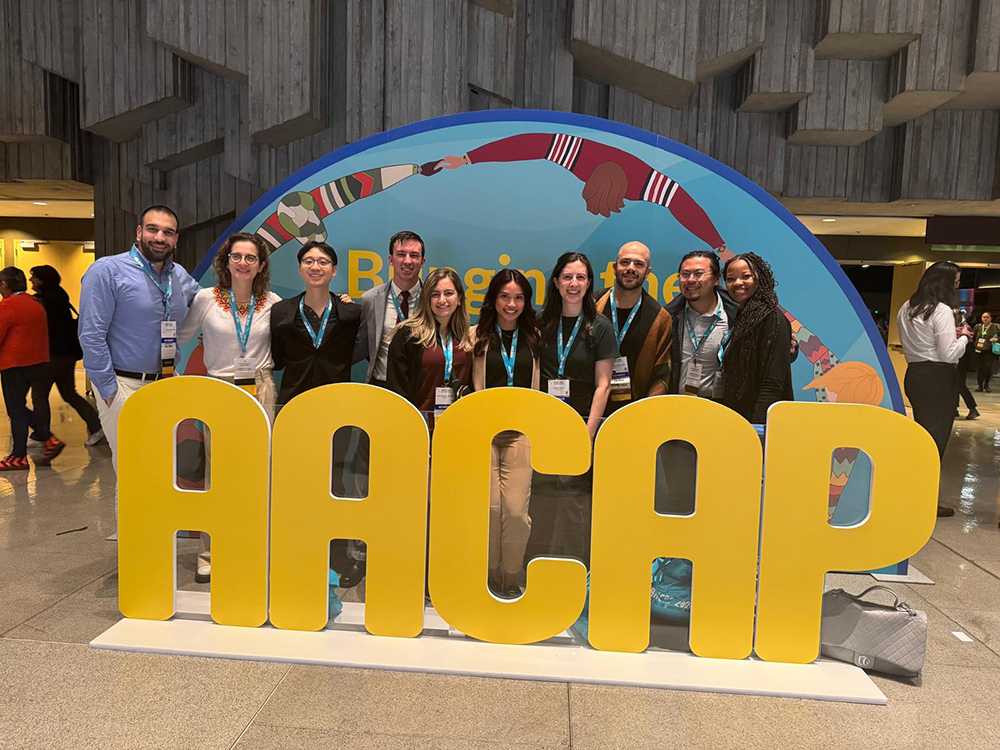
[{"x": 505, "y": 354}]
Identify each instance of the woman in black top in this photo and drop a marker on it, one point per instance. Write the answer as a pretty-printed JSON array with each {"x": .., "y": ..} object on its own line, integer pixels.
[
  {"x": 578, "y": 349},
  {"x": 64, "y": 352},
  {"x": 756, "y": 364},
  {"x": 505, "y": 354}
]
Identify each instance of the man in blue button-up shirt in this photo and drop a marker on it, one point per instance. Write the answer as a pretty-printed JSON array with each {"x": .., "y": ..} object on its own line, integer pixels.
[{"x": 123, "y": 300}]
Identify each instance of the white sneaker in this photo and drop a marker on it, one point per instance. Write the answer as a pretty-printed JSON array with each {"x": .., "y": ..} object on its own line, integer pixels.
[
  {"x": 95, "y": 438},
  {"x": 204, "y": 574}
]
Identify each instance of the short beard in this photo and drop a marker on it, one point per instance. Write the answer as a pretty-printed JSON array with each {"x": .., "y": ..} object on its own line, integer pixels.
[
  {"x": 620, "y": 281},
  {"x": 154, "y": 256}
]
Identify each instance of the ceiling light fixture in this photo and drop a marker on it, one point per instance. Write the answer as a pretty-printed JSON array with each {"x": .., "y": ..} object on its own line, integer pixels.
[
  {"x": 40, "y": 203},
  {"x": 865, "y": 265},
  {"x": 829, "y": 220}
]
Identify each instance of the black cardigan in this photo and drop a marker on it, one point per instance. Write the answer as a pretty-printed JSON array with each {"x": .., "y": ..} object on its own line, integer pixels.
[
  {"x": 306, "y": 366},
  {"x": 771, "y": 380}
]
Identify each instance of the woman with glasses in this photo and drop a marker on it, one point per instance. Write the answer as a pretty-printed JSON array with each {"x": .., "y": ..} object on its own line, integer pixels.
[
  {"x": 312, "y": 335},
  {"x": 578, "y": 349},
  {"x": 430, "y": 356},
  {"x": 234, "y": 319},
  {"x": 506, "y": 347}
]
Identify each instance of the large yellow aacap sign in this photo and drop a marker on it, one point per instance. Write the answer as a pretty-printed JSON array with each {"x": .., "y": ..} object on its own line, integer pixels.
[{"x": 271, "y": 515}]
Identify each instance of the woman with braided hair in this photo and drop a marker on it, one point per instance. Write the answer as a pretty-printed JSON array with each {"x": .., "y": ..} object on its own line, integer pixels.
[{"x": 756, "y": 362}]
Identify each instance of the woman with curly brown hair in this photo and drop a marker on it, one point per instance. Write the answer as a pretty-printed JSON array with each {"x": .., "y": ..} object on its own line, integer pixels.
[
  {"x": 234, "y": 318},
  {"x": 756, "y": 357}
]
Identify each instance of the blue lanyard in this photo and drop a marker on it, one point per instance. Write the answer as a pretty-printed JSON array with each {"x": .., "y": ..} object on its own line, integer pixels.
[
  {"x": 395, "y": 303},
  {"x": 317, "y": 338},
  {"x": 690, "y": 329},
  {"x": 508, "y": 362},
  {"x": 167, "y": 291},
  {"x": 614, "y": 317},
  {"x": 724, "y": 345},
  {"x": 243, "y": 335},
  {"x": 564, "y": 352},
  {"x": 449, "y": 356}
]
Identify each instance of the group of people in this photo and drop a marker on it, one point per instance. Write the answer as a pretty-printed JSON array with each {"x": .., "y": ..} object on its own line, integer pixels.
[
  {"x": 39, "y": 348},
  {"x": 597, "y": 351}
]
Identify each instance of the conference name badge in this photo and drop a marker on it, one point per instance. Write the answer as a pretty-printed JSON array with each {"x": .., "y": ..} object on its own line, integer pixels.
[
  {"x": 621, "y": 381},
  {"x": 559, "y": 388},
  {"x": 692, "y": 384},
  {"x": 168, "y": 346},
  {"x": 444, "y": 397},
  {"x": 244, "y": 374}
]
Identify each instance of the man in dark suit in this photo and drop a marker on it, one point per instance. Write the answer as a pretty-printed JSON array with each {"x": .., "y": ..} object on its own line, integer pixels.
[
  {"x": 389, "y": 304},
  {"x": 382, "y": 309}
]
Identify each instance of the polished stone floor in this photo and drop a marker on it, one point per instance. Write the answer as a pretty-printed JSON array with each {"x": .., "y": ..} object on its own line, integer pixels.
[{"x": 59, "y": 590}]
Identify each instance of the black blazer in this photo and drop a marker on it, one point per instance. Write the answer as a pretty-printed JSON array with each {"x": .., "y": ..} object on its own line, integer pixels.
[
  {"x": 306, "y": 366},
  {"x": 403, "y": 365}
]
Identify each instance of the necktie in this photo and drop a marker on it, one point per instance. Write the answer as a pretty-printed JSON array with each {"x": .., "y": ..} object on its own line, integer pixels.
[{"x": 404, "y": 303}]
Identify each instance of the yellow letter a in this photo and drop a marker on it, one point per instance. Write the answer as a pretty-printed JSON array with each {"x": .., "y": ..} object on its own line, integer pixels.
[
  {"x": 460, "y": 493},
  {"x": 305, "y": 515},
  {"x": 720, "y": 538},
  {"x": 798, "y": 544},
  {"x": 233, "y": 510}
]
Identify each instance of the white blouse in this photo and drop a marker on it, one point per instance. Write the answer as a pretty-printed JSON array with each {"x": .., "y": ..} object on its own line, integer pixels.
[
  {"x": 210, "y": 313},
  {"x": 931, "y": 340}
]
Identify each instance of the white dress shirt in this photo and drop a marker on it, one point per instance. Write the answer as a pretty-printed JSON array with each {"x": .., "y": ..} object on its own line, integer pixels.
[
  {"x": 930, "y": 340},
  {"x": 389, "y": 322},
  {"x": 210, "y": 314}
]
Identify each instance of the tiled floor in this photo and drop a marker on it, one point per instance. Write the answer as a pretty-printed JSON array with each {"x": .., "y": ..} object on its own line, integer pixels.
[{"x": 58, "y": 591}]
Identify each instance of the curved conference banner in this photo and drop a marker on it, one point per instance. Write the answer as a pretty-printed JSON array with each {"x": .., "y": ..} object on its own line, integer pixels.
[{"x": 518, "y": 188}]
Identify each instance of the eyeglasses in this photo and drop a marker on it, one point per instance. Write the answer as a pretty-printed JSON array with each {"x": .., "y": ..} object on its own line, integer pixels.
[
  {"x": 696, "y": 275},
  {"x": 236, "y": 258},
  {"x": 321, "y": 262}
]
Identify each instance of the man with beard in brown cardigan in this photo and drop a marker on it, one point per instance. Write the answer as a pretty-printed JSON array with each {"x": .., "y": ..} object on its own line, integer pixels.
[{"x": 643, "y": 329}]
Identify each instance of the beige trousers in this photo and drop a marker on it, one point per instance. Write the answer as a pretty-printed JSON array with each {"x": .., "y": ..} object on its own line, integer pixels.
[{"x": 510, "y": 491}]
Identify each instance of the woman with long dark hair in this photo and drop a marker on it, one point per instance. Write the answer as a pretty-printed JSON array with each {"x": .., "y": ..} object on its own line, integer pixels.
[
  {"x": 756, "y": 361},
  {"x": 430, "y": 354},
  {"x": 505, "y": 351},
  {"x": 932, "y": 345},
  {"x": 64, "y": 352},
  {"x": 578, "y": 349}
]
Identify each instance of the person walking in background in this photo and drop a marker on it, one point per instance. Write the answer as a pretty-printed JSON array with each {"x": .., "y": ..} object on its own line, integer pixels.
[
  {"x": 932, "y": 345},
  {"x": 963, "y": 368},
  {"x": 756, "y": 357},
  {"x": 24, "y": 346},
  {"x": 506, "y": 346},
  {"x": 985, "y": 334},
  {"x": 64, "y": 353}
]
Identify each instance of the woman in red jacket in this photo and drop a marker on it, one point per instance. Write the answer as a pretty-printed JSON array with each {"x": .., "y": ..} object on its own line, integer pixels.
[{"x": 24, "y": 346}]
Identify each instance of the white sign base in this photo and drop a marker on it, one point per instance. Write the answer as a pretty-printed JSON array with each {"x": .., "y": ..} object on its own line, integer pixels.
[{"x": 443, "y": 650}]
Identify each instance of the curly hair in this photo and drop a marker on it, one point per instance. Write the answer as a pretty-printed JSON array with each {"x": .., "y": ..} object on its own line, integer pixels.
[
  {"x": 262, "y": 281},
  {"x": 756, "y": 327}
]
